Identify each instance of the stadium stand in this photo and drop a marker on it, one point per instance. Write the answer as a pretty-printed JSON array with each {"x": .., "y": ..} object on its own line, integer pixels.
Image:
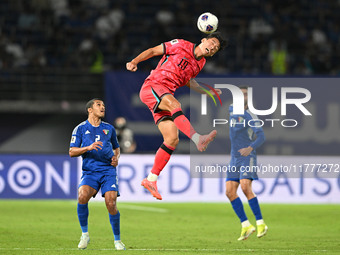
[{"x": 75, "y": 34}]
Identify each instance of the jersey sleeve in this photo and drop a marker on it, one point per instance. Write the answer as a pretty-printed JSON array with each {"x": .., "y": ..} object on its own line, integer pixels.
[
  {"x": 76, "y": 140},
  {"x": 257, "y": 128},
  {"x": 171, "y": 46},
  {"x": 114, "y": 139}
]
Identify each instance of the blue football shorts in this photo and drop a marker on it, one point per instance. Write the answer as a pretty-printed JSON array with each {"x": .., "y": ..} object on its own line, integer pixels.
[
  {"x": 101, "y": 181},
  {"x": 242, "y": 168}
]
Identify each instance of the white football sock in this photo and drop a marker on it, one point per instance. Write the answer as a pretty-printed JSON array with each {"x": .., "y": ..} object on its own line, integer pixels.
[
  {"x": 245, "y": 224},
  {"x": 259, "y": 222},
  {"x": 152, "y": 177},
  {"x": 195, "y": 138}
]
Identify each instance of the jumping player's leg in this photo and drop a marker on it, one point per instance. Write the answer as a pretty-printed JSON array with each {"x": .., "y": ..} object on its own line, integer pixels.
[
  {"x": 114, "y": 216},
  {"x": 169, "y": 132},
  {"x": 246, "y": 185},
  {"x": 231, "y": 192},
  {"x": 85, "y": 192},
  {"x": 171, "y": 104}
]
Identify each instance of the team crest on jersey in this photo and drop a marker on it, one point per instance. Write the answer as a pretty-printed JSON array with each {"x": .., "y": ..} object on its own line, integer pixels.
[
  {"x": 237, "y": 120},
  {"x": 174, "y": 41},
  {"x": 73, "y": 139},
  {"x": 106, "y": 131}
]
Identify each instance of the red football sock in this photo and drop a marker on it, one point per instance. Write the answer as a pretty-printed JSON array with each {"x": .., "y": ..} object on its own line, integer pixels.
[
  {"x": 161, "y": 159},
  {"x": 182, "y": 123}
]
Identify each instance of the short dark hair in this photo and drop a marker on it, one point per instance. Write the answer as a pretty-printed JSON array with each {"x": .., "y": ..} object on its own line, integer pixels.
[
  {"x": 243, "y": 87},
  {"x": 90, "y": 103},
  {"x": 219, "y": 37}
]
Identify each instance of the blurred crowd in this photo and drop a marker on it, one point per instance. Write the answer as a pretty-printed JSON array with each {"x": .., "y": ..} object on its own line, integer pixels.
[
  {"x": 265, "y": 37},
  {"x": 125, "y": 135}
]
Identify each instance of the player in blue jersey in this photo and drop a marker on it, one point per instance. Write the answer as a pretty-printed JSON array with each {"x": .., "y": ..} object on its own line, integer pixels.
[
  {"x": 96, "y": 142},
  {"x": 243, "y": 130}
]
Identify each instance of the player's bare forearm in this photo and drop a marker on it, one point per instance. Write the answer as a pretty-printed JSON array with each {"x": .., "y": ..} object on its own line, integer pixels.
[
  {"x": 193, "y": 84},
  {"x": 115, "y": 158},
  {"x": 117, "y": 152},
  {"x": 77, "y": 151},
  {"x": 245, "y": 151},
  {"x": 149, "y": 53}
]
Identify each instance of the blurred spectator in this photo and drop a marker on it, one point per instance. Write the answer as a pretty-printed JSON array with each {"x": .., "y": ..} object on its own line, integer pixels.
[
  {"x": 165, "y": 17},
  {"x": 319, "y": 37},
  {"x": 125, "y": 136},
  {"x": 259, "y": 26},
  {"x": 28, "y": 20},
  {"x": 278, "y": 58},
  {"x": 60, "y": 8},
  {"x": 164, "y": 20},
  {"x": 16, "y": 51},
  {"x": 109, "y": 23}
]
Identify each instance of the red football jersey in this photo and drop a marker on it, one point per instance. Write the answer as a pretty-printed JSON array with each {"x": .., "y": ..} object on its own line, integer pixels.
[{"x": 177, "y": 66}]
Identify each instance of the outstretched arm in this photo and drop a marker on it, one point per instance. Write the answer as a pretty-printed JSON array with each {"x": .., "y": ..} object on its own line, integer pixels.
[
  {"x": 149, "y": 53},
  {"x": 192, "y": 84}
]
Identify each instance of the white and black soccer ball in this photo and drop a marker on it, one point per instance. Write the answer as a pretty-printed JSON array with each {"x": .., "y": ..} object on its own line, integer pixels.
[{"x": 207, "y": 23}]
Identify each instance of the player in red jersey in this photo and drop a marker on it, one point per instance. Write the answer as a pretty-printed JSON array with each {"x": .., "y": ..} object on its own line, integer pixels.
[{"x": 181, "y": 62}]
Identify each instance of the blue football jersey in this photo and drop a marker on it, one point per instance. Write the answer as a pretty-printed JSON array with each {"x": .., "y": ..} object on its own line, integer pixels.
[
  {"x": 242, "y": 130},
  {"x": 97, "y": 161}
]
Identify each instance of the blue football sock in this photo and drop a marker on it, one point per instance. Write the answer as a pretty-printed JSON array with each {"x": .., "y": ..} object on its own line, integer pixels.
[
  {"x": 239, "y": 210},
  {"x": 83, "y": 214},
  {"x": 255, "y": 207},
  {"x": 115, "y": 224}
]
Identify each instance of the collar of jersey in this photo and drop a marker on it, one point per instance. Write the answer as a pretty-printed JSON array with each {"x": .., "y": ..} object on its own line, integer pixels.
[
  {"x": 92, "y": 125},
  {"x": 193, "y": 51}
]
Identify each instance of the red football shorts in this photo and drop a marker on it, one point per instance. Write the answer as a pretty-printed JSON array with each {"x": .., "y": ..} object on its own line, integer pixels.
[{"x": 151, "y": 94}]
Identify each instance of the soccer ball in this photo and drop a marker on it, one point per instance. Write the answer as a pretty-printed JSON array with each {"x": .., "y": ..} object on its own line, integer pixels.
[{"x": 207, "y": 23}]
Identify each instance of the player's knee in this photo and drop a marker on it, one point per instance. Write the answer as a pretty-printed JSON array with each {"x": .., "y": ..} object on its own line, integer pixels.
[
  {"x": 247, "y": 190},
  {"x": 114, "y": 211},
  {"x": 172, "y": 141},
  {"x": 230, "y": 194},
  {"x": 111, "y": 206},
  {"x": 83, "y": 197},
  {"x": 174, "y": 104},
  {"x": 176, "y": 141},
  {"x": 169, "y": 103}
]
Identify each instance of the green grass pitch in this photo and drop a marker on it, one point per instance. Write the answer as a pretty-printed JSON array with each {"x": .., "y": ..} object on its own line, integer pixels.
[{"x": 51, "y": 227}]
